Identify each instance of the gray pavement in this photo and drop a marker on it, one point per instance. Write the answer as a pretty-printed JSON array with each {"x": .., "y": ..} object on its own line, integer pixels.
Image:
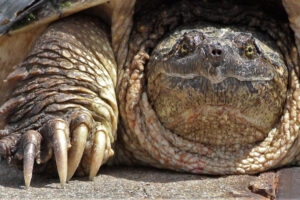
[{"x": 130, "y": 183}]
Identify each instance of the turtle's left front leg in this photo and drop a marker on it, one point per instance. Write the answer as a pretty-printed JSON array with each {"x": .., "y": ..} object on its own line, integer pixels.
[{"x": 64, "y": 102}]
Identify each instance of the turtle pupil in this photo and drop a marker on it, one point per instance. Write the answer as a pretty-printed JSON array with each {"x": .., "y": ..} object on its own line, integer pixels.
[
  {"x": 249, "y": 51},
  {"x": 184, "y": 49}
]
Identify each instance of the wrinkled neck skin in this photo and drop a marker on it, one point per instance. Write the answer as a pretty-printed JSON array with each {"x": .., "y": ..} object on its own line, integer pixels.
[{"x": 207, "y": 98}]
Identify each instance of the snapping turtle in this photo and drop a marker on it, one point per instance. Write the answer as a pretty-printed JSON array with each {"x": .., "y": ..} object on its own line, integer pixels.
[{"x": 203, "y": 87}]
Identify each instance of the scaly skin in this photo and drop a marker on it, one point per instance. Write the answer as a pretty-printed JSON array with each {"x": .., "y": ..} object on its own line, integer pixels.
[
  {"x": 64, "y": 106},
  {"x": 64, "y": 101},
  {"x": 145, "y": 116}
]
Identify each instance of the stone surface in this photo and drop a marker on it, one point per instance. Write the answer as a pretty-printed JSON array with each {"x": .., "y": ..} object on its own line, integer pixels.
[
  {"x": 289, "y": 183},
  {"x": 127, "y": 182},
  {"x": 149, "y": 183}
]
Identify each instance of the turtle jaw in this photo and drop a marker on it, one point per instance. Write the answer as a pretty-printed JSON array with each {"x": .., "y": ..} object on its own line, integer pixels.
[
  {"x": 238, "y": 112},
  {"x": 212, "y": 125}
]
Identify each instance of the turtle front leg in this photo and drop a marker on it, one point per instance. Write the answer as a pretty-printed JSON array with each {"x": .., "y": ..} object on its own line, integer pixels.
[{"x": 63, "y": 107}]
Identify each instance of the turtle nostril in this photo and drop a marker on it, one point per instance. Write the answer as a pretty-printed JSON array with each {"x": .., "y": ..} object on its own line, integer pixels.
[{"x": 216, "y": 52}]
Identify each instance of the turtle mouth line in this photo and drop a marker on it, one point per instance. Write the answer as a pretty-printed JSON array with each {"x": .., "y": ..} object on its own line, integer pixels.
[{"x": 215, "y": 79}]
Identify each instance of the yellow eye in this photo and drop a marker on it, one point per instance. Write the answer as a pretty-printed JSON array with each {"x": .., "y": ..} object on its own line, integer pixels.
[
  {"x": 183, "y": 49},
  {"x": 249, "y": 51}
]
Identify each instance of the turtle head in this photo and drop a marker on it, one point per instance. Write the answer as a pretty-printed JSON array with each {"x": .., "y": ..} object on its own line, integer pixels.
[{"x": 215, "y": 83}]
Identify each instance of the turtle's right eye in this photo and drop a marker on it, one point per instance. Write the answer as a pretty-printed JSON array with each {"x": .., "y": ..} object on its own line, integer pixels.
[
  {"x": 187, "y": 44},
  {"x": 183, "y": 49}
]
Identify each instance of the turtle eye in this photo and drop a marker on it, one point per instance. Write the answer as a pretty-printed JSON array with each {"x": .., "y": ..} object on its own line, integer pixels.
[
  {"x": 183, "y": 49},
  {"x": 249, "y": 50}
]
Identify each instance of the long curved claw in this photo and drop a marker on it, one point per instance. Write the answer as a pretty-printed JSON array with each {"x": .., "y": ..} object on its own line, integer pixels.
[
  {"x": 79, "y": 138},
  {"x": 28, "y": 162},
  {"x": 31, "y": 142},
  {"x": 98, "y": 151},
  {"x": 59, "y": 129}
]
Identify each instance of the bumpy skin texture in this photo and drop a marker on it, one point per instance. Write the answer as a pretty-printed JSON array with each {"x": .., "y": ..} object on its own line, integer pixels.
[
  {"x": 64, "y": 101},
  {"x": 64, "y": 106},
  {"x": 145, "y": 120}
]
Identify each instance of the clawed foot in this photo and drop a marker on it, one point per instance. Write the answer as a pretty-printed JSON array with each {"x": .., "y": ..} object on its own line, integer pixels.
[
  {"x": 69, "y": 139},
  {"x": 63, "y": 104}
]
